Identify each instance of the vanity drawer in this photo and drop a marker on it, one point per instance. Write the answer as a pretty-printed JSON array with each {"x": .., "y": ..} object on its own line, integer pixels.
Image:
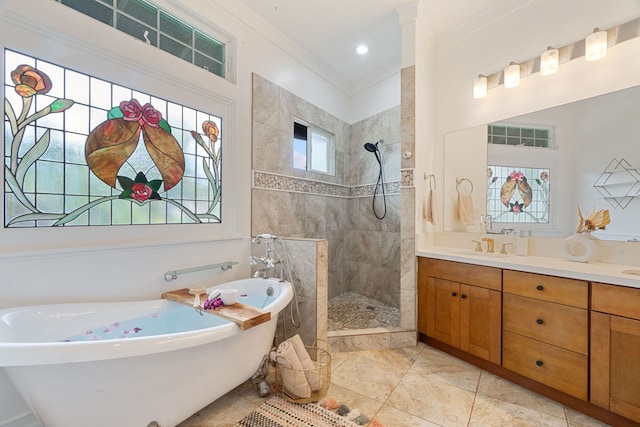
[
  {"x": 561, "y": 369},
  {"x": 547, "y": 288},
  {"x": 619, "y": 300},
  {"x": 476, "y": 275},
  {"x": 559, "y": 325}
]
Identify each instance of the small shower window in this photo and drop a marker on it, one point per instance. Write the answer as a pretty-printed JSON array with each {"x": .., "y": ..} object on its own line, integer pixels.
[{"x": 313, "y": 148}]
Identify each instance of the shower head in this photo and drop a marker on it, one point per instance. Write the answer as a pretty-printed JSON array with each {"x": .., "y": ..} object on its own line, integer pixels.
[{"x": 372, "y": 148}]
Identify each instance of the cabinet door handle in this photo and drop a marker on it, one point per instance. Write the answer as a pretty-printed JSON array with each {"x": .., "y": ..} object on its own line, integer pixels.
[
  {"x": 463, "y": 296},
  {"x": 453, "y": 294},
  {"x": 539, "y": 362},
  {"x": 539, "y": 321},
  {"x": 539, "y": 287}
]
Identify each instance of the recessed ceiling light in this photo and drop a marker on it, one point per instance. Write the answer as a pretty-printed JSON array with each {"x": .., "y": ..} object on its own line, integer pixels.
[{"x": 362, "y": 49}]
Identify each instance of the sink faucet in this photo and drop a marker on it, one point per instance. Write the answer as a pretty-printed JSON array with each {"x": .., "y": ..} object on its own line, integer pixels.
[{"x": 490, "y": 242}]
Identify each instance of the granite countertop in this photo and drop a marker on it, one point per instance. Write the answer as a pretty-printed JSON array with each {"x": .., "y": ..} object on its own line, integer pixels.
[{"x": 590, "y": 271}]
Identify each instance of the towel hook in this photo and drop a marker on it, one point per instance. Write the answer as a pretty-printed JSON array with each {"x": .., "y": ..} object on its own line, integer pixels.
[
  {"x": 459, "y": 181},
  {"x": 432, "y": 181}
]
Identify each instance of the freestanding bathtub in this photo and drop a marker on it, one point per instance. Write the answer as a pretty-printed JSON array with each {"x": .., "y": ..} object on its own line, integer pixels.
[{"x": 130, "y": 364}]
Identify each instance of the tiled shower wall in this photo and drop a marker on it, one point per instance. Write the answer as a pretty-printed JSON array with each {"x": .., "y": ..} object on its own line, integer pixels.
[{"x": 364, "y": 252}]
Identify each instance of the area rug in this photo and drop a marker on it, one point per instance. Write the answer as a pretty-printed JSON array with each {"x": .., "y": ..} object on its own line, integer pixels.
[{"x": 278, "y": 412}]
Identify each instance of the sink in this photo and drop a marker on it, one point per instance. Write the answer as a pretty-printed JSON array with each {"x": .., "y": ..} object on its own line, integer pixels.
[{"x": 469, "y": 252}]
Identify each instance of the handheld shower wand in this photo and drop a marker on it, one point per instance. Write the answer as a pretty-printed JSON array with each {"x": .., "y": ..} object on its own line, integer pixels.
[{"x": 373, "y": 148}]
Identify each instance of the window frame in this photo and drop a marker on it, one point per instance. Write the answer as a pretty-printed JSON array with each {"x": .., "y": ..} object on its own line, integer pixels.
[
  {"x": 329, "y": 149},
  {"x": 529, "y": 157},
  {"x": 215, "y": 34}
]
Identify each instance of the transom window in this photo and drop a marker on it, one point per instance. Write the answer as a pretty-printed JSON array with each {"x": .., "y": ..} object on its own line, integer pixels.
[
  {"x": 146, "y": 22},
  {"x": 520, "y": 136},
  {"x": 313, "y": 148},
  {"x": 79, "y": 150}
]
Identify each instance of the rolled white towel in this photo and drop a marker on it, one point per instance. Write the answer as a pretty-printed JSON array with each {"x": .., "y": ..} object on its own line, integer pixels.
[
  {"x": 311, "y": 371},
  {"x": 294, "y": 381}
]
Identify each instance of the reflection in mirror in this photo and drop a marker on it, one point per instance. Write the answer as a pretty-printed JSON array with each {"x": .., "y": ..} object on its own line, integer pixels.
[
  {"x": 518, "y": 195},
  {"x": 565, "y": 154},
  {"x": 465, "y": 173}
]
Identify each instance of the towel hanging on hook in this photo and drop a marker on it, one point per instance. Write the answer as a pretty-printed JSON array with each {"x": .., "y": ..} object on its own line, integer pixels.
[
  {"x": 465, "y": 203},
  {"x": 430, "y": 210},
  {"x": 460, "y": 181}
]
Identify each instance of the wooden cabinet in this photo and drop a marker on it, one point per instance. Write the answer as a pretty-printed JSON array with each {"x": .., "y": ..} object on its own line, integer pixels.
[
  {"x": 615, "y": 349},
  {"x": 570, "y": 340},
  {"x": 460, "y": 305},
  {"x": 546, "y": 330}
]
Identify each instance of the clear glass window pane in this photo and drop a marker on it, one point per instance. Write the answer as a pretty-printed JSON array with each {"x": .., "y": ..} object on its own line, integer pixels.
[
  {"x": 140, "y": 10},
  {"x": 209, "y": 64},
  {"x": 175, "y": 48},
  {"x": 176, "y": 29},
  {"x": 137, "y": 29},
  {"x": 319, "y": 152},
  {"x": 209, "y": 47},
  {"x": 92, "y": 8},
  {"x": 77, "y": 87}
]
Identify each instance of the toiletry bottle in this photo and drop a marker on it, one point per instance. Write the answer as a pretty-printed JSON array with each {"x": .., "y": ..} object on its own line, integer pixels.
[{"x": 522, "y": 244}]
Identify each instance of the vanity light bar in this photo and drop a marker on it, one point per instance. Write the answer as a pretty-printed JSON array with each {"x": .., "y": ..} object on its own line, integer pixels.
[{"x": 593, "y": 47}]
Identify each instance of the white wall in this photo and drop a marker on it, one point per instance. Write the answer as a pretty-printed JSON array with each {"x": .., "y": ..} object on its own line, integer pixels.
[{"x": 487, "y": 44}]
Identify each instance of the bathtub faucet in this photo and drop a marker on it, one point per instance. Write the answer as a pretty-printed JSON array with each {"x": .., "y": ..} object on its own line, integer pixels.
[
  {"x": 267, "y": 264},
  {"x": 269, "y": 260}
]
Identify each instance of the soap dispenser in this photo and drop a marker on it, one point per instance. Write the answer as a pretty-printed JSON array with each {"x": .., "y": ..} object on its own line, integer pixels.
[{"x": 522, "y": 243}]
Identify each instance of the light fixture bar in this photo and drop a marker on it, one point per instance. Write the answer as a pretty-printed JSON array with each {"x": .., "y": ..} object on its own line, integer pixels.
[
  {"x": 615, "y": 35},
  {"x": 480, "y": 86},
  {"x": 595, "y": 45},
  {"x": 512, "y": 75},
  {"x": 549, "y": 61}
]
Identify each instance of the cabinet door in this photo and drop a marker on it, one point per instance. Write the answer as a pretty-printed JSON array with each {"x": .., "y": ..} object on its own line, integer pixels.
[
  {"x": 443, "y": 311},
  {"x": 615, "y": 367},
  {"x": 480, "y": 322}
]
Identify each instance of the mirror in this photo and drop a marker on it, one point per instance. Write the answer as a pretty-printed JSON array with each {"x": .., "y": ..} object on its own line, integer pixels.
[{"x": 593, "y": 163}]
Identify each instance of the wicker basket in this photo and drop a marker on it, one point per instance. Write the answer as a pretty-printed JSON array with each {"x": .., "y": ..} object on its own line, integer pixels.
[{"x": 322, "y": 361}]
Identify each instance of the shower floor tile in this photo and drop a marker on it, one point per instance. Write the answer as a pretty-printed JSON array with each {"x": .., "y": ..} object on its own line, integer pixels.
[{"x": 355, "y": 311}]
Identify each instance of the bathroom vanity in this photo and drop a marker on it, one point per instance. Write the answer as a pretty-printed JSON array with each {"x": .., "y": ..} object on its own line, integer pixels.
[{"x": 568, "y": 331}]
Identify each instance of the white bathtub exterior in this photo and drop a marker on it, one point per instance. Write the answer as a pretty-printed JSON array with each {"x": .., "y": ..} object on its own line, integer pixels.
[{"x": 134, "y": 381}]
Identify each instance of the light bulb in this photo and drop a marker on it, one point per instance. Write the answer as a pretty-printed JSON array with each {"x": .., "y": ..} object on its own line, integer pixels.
[
  {"x": 480, "y": 86},
  {"x": 549, "y": 61},
  {"x": 595, "y": 45},
  {"x": 512, "y": 75}
]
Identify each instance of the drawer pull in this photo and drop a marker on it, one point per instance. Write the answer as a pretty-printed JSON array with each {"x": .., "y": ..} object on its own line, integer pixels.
[
  {"x": 539, "y": 287},
  {"x": 539, "y": 321},
  {"x": 453, "y": 294},
  {"x": 539, "y": 362},
  {"x": 463, "y": 296}
]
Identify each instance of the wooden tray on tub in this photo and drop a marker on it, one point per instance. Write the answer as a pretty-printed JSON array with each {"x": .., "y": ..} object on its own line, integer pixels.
[{"x": 243, "y": 315}]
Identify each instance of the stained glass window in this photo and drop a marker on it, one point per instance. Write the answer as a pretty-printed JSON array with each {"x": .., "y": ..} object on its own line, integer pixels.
[
  {"x": 518, "y": 194},
  {"x": 83, "y": 151}
]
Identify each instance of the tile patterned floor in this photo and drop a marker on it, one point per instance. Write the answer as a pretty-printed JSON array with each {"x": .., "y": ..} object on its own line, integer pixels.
[
  {"x": 351, "y": 310},
  {"x": 414, "y": 387}
]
